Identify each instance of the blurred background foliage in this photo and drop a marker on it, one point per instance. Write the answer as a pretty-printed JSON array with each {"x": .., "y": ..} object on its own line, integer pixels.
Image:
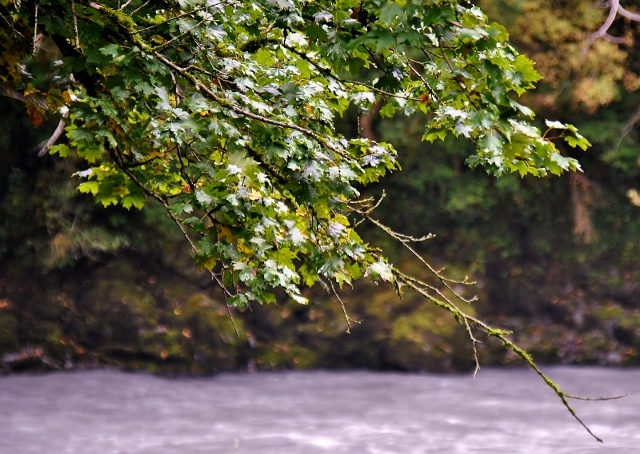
[{"x": 556, "y": 259}]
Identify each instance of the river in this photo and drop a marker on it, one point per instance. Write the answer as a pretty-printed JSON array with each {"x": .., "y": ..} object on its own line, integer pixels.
[{"x": 499, "y": 411}]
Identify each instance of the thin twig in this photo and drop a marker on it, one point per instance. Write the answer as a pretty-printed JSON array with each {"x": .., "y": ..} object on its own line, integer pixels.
[
  {"x": 424, "y": 81},
  {"x": 140, "y": 7},
  {"x": 628, "y": 127},
  {"x": 54, "y": 137},
  {"x": 446, "y": 281},
  {"x": 595, "y": 399},
  {"x": 628, "y": 14},
  {"x": 469, "y": 321},
  {"x": 233, "y": 322},
  {"x": 522, "y": 354},
  {"x": 35, "y": 31},
  {"x": 13, "y": 30},
  {"x": 164, "y": 203},
  {"x": 614, "y": 39},
  {"x": 348, "y": 319},
  {"x": 75, "y": 25},
  {"x": 462, "y": 86},
  {"x": 177, "y": 37}
]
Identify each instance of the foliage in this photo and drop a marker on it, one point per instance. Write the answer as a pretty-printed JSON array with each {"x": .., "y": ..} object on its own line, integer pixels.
[
  {"x": 516, "y": 236},
  {"x": 195, "y": 104},
  {"x": 224, "y": 113}
]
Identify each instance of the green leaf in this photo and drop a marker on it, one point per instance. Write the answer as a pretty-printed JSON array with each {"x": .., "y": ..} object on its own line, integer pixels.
[
  {"x": 110, "y": 50},
  {"x": 89, "y": 187},
  {"x": 577, "y": 141},
  {"x": 136, "y": 200},
  {"x": 385, "y": 40},
  {"x": 525, "y": 67},
  {"x": 238, "y": 300},
  {"x": 380, "y": 270},
  {"x": 491, "y": 143},
  {"x": 390, "y": 12},
  {"x": 61, "y": 149}
]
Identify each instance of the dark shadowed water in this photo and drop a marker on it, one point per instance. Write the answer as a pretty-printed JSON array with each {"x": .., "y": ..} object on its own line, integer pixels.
[{"x": 500, "y": 411}]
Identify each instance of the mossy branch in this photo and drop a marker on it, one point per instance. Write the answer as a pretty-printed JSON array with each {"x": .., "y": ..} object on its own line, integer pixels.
[{"x": 439, "y": 299}]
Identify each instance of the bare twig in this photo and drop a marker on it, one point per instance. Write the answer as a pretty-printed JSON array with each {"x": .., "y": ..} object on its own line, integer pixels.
[
  {"x": 614, "y": 39},
  {"x": 424, "y": 81},
  {"x": 233, "y": 322},
  {"x": 348, "y": 319},
  {"x": 75, "y": 25},
  {"x": 173, "y": 217},
  {"x": 226, "y": 293},
  {"x": 41, "y": 104},
  {"x": 405, "y": 240},
  {"x": 615, "y": 10},
  {"x": 10, "y": 25},
  {"x": 36, "y": 100},
  {"x": 502, "y": 336},
  {"x": 54, "y": 137},
  {"x": 628, "y": 14},
  {"x": 140, "y": 7},
  {"x": 35, "y": 31},
  {"x": 441, "y": 300},
  {"x": 442, "y": 44},
  {"x": 628, "y": 127},
  {"x": 594, "y": 399}
]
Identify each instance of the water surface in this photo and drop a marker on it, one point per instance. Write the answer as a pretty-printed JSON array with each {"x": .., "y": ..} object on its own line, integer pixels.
[{"x": 499, "y": 411}]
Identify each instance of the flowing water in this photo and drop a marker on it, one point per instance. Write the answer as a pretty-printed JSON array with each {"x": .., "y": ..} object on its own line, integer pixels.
[{"x": 499, "y": 411}]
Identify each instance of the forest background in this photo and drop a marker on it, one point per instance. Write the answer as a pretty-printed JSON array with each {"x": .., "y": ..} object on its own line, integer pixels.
[{"x": 556, "y": 259}]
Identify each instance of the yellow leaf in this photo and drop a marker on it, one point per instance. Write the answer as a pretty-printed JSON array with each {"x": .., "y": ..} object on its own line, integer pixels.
[{"x": 209, "y": 264}]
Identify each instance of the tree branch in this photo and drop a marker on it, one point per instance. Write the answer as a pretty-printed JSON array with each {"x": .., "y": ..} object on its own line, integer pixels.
[
  {"x": 54, "y": 137},
  {"x": 41, "y": 104},
  {"x": 441, "y": 300},
  {"x": 628, "y": 127},
  {"x": 628, "y": 14},
  {"x": 615, "y": 10},
  {"x": 35, "y": 31},
  {"x": 35, "y": 100}
]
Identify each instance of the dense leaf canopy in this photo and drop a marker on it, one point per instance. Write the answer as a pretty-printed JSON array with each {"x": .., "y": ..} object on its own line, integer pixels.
[{"x": 225, "y": 112}]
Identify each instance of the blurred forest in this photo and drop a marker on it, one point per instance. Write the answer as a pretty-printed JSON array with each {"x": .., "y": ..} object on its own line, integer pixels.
[{"x": 556, "y": 259}]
